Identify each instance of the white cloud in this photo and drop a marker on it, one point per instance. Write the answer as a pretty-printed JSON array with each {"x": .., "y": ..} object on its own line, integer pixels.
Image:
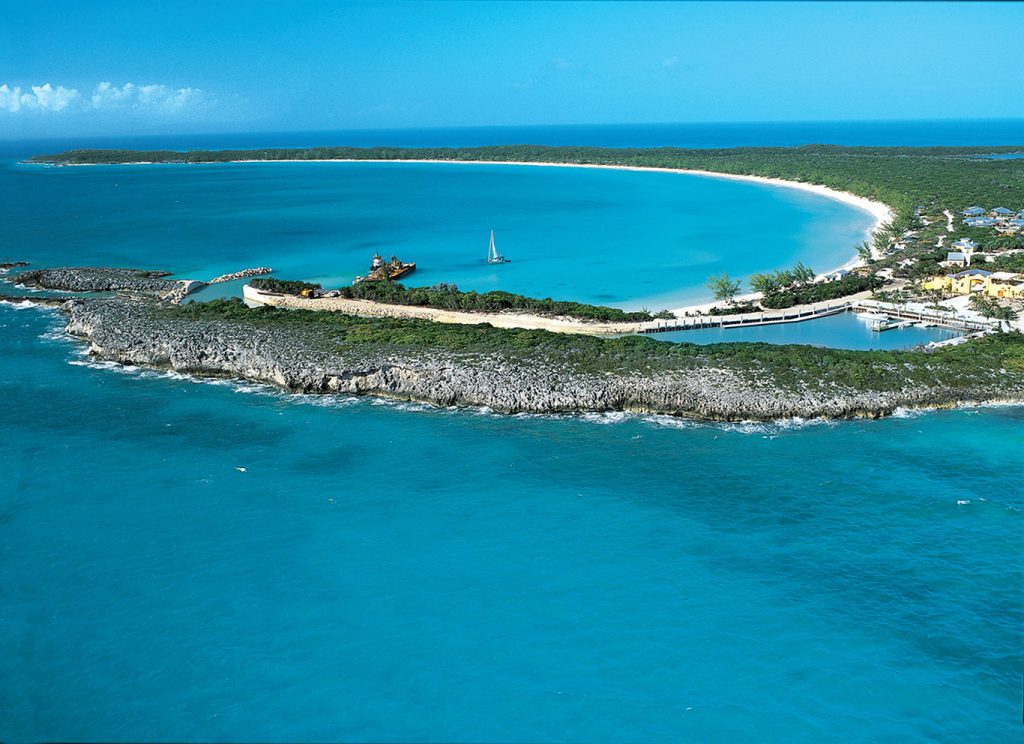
[
  {"x": 142, "y": 99},
  {"x": 37, "y": 98},
  {"x": 156, "y": 98}
]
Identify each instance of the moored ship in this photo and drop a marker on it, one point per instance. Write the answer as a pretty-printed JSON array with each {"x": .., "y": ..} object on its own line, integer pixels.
[{"x": 381, "y": 270}]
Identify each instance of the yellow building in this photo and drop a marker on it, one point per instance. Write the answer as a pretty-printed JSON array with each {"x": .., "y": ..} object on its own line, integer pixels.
[
  {"x": 938, "y": 283},
  {"x": 1005, "y": 284},
  {"x": 995, "y": 284}
]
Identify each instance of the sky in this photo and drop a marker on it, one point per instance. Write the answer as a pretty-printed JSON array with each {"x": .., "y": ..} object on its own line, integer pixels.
[{"x": 113, "y": 67}]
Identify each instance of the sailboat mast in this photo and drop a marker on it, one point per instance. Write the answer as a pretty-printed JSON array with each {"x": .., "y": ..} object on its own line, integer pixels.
[{"x": 492, "y": 252}]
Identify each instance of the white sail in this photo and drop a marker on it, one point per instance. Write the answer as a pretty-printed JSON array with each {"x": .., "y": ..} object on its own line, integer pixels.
[{"x": 492, "y": 253}]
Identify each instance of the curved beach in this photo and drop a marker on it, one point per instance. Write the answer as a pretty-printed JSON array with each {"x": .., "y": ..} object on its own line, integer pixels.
[
  {"x": 881, "y": 212},
  {"x": 694, "y": 299}
]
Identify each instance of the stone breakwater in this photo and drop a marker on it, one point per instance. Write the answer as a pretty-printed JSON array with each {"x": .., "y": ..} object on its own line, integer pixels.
[
  {"x": 299, "y": 360},
  {"x": 95, "y": 279},
  {"x": 243, "y": 274}
]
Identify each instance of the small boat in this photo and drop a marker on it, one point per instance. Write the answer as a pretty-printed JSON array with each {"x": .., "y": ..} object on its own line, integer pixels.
[
  {"x": 493, "y": 257},
  {"x": 381, "y": 270},
  {"x": 872, "y": 317}
]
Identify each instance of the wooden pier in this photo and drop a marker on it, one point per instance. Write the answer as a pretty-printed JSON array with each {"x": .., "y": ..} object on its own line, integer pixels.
[
  {"x": 943, "y": 319},
  {"x": 742, "y": 320}
]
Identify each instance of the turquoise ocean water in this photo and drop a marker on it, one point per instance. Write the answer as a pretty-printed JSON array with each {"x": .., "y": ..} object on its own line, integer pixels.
[
  {"x": 611, "y": 237},
  {"x": 197, "y": 561}
]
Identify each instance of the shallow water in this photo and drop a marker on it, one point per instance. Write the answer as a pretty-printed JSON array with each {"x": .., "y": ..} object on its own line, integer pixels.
[{"x": 843, "y": 331}]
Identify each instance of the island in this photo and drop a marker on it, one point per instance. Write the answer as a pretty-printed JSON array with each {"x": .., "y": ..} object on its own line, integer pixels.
[{"x": 501, "y": 351}]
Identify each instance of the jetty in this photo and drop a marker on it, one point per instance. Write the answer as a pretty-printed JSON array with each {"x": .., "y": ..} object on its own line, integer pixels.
[
  {"x": 738, "y": 320},
  {"x": 243, "y": 274},
  {"x": 943, "y": 318}
]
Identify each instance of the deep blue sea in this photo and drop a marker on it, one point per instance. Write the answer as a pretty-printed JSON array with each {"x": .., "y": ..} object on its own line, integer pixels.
[
  {"x": 189, "y": 561},
  {"x": 889, "y": 133}
]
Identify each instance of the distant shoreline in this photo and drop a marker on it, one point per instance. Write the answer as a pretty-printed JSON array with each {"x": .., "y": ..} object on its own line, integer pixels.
[{"x": 881, "y": 212}]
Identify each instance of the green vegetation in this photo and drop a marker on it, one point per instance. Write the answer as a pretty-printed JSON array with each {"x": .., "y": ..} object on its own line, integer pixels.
[
  {"x": 1006, "y": 262},
  {"x": 776, "y": 281},
  {"x": 990, "y": 308},
  {"x": 809, "y": 293},
  {"x": 450, "y": 297},
  {"x": 734, "y": 309},
  {"x": 282, "y": 286},
  {"x": 795, "y": 366},
  {"x": 723, "y": 287},
  {"x": 782, "y": 289}
]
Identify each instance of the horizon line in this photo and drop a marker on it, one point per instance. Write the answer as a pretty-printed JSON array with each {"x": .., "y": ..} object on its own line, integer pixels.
[{"x": 470, "y": 127}]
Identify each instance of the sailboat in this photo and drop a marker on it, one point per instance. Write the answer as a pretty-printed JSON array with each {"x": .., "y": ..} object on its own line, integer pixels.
[{"x": 493, "y": 257}]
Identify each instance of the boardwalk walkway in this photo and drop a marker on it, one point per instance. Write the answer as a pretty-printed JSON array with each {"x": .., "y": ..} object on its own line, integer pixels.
[
  {"x": 764, "y": 317},
  {"x": 946, "y": 319}
]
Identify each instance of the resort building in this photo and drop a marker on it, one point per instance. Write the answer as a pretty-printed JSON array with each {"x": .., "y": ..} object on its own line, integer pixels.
[
  {"x": 956, "y": 258},
  {"x": 981, "y": 222},
  {"x": 1005, "y": 284},
  {"x": 966, "y": 245},
  {"x": 963, "y": 282},
  {"x": 1002, "y": 219},
  {"x": 1002, "y": 284},
  {"x": 833, "y": 276}
]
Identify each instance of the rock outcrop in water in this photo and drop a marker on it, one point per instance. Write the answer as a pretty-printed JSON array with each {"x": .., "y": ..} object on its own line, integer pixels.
[
  {"x": 142, "y": 333},
  {"x": 90, "y": 279}
]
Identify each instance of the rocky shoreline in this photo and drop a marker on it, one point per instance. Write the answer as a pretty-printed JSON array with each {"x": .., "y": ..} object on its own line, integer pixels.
[
  {"x": 103, "y": 279},
  {"x": 142, "y": 332},
  {"x": 88, "y": 279}
]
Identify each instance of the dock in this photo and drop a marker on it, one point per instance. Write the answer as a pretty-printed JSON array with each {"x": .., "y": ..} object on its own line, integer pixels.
[
  {"x": 944, "y": 319},
  {"x": 745, "y": 320}
]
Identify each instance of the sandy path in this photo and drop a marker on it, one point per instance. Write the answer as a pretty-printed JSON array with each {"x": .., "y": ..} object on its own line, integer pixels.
[{"x": 370, "y": 309}]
